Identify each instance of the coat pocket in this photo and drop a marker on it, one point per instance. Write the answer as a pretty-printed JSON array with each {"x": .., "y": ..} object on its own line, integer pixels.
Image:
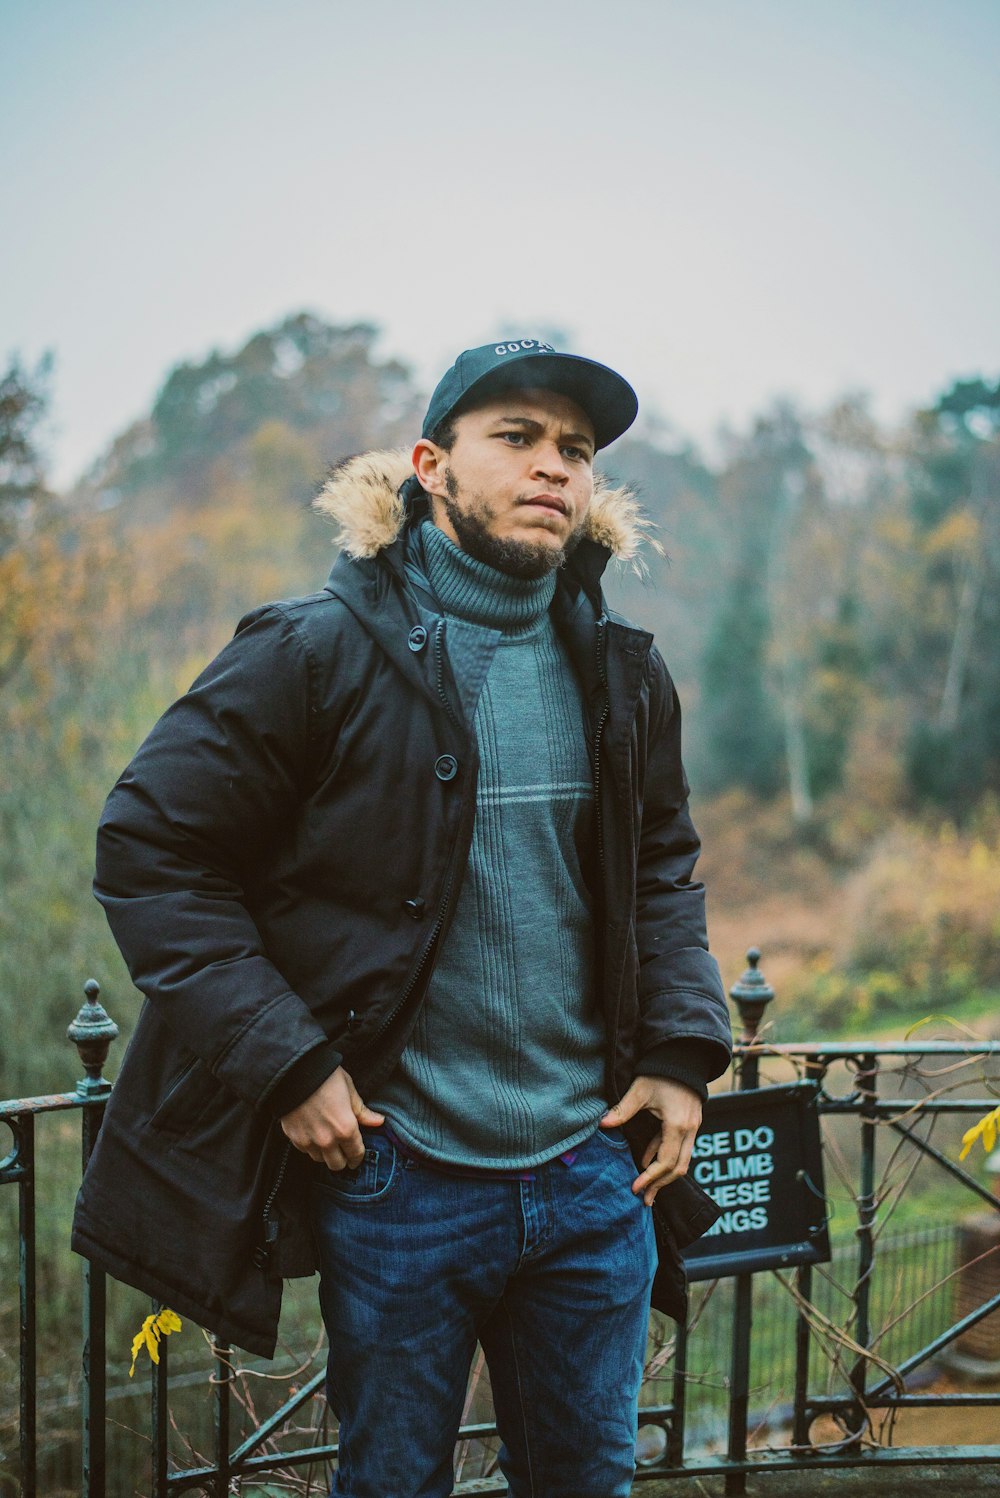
[
  {"x": 186, "y": 1099},
  {"x": 687, "y": 1209}
]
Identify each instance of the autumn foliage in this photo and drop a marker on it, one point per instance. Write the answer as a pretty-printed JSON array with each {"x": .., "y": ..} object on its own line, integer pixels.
[{"x": 831, "y": 613}]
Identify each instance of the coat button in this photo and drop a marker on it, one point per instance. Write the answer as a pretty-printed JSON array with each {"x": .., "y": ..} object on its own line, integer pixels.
[
  {"x": 417, "y": 638},
  {"x": 415, "y": 908},
  {"x": 446, "y": 767}
]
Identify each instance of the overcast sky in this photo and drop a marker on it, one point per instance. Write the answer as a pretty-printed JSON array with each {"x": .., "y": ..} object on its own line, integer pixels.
[{"x": 725, "y": 199}]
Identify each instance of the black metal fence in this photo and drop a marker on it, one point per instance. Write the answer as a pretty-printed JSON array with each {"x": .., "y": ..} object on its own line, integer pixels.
[{"x": 819, "y": 1366}]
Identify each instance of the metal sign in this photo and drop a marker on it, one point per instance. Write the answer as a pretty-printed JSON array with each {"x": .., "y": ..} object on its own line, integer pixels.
[{"x": 758, "y": 1155}]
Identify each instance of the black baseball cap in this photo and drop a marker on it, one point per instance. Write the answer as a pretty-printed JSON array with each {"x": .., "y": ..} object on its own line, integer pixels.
[{"x": 608, "y": 400}]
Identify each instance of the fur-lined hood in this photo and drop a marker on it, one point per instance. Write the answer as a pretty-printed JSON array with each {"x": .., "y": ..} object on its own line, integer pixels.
[{"x": 361, "y": 497}]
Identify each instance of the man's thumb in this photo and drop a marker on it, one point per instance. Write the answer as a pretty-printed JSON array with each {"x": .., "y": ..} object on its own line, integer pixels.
[
  {"x": 621, "y": 1112},
  {"x": 361, "y": 1110}
]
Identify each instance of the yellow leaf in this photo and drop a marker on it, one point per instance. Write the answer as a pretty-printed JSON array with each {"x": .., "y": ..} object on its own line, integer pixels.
[
  {"x": 158, "y": 1324},
  {"x": 985, "y": 1129},
  {"x": 136, "y": 1344},
  {"x": 153, "y": 1341}
]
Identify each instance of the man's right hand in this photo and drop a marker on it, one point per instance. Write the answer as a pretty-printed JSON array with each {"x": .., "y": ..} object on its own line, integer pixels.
[{"x": 325, "y": 1126}]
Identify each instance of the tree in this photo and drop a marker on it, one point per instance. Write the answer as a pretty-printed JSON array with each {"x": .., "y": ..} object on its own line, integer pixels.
[
  {"x": 741, "y": 729},
  {"x": 24, "y": 501},
  {"x": 953, "y": 750},
  {"x": 317, "y": 380},
  {"x": 752, "y": 673},
  {"x": 23, "y": 403}
]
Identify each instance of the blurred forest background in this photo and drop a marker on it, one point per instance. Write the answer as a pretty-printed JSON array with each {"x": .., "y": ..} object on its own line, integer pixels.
[
  {"x": 830, "y": 610},
  {"x": 727, "y": 201}
]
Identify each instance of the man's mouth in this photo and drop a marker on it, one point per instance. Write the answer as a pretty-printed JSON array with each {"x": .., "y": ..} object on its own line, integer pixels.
[{"x": 552, "y": 502}]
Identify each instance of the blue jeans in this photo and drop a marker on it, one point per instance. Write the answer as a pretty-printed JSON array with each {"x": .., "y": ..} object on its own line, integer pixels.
[{"x": 551, "y": 1275}]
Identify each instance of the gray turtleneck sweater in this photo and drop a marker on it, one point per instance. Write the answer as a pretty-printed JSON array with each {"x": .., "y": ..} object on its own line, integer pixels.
[{"x": 504, "y": 1067}]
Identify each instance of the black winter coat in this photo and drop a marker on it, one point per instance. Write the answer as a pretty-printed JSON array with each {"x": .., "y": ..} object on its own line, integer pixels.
[{"x": 279, "y": 864}]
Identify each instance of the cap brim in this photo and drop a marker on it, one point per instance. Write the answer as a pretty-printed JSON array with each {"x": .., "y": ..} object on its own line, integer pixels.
[{"x": 608, "y": 400}]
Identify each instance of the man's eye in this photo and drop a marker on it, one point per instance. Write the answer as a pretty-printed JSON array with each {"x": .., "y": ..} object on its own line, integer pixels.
[
  {"x": 517, "y": 437},
  {"x": 577, "y": 453}
]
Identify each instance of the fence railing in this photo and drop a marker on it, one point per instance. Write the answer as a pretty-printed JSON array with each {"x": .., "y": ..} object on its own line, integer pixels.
[{"x": 819, "y": 1366}]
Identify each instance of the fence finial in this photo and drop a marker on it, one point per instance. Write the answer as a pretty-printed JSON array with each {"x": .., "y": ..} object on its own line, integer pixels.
[
  {"x": 751, "y": 995},
  {"x": 92, "y": 1032}
]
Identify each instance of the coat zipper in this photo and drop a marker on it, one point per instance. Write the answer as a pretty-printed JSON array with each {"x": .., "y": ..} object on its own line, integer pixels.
[
  {"x": 602, "y": 671},
  {"x": 439, "y": 673},
  {"x": 262, "y": 1253}
]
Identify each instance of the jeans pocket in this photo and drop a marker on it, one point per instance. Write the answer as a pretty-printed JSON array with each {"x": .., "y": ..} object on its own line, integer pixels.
[
  {"x": 371, "y": 1181},
  {"x": 613, "y": 1138}
]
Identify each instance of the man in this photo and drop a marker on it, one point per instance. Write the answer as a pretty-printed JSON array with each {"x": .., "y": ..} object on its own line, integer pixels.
[{"x": 406, "y": 880}]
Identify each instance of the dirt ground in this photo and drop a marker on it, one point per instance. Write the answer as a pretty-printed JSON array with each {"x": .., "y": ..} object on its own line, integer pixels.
[
  {"x": 918, "y": 1427},
  {"x": 936, "y": 1482},
  {"x": 924, "y": 1426}
]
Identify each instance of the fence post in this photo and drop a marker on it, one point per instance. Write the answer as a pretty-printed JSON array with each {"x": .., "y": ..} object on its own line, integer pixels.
[
  {"x": 800, "y": 1415},
  {"x": 92, "y": 1032},
  {"x": 867, "y": 1081},
  {"x": 223, "y": 1376},
  {"x": 24, "y": 1142},
  {"x": 751, "y": 995},
  {"x": 159, "y": 1415},
  {"x": 675, "y": 1431}
]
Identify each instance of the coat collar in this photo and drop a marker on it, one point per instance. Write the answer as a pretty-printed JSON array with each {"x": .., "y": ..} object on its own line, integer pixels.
[{"x": 362, "y": 498}]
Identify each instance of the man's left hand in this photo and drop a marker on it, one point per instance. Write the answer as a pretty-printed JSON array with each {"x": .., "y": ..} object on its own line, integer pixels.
[{"x": 669, "y": 1151}]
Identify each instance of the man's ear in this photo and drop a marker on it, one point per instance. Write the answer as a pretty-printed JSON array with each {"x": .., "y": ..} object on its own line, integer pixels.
[{"x": 429, "y": 464}]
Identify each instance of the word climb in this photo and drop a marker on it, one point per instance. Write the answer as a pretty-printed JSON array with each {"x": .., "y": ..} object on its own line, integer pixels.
[{"x": 735, "y": 1166}]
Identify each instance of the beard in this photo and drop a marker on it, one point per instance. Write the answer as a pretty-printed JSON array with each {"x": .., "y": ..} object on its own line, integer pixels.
[{"x": 523, "y": 559}]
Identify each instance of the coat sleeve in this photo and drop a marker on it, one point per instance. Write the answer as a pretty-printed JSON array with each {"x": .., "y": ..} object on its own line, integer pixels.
[
  {"x": 218, "y": 777},
  {"x": 685, "y": 1029}
]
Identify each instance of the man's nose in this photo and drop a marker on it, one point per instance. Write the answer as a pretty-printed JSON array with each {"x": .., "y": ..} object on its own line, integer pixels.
[{"x": 550, "y": 463}]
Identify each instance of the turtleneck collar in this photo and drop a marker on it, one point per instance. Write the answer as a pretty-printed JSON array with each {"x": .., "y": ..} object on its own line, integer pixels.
[{"x": 473, "y": 591}]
